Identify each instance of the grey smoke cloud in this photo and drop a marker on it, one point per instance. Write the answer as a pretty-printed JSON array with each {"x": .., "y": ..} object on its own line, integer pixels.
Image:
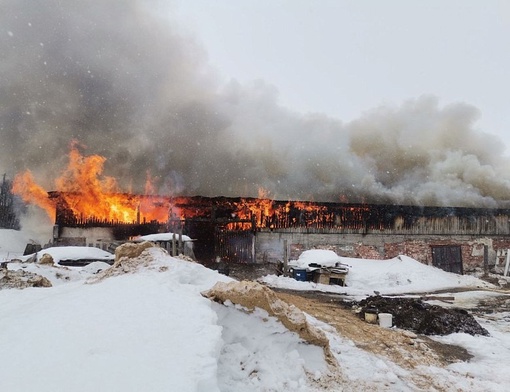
[{"x": 130, "y": 86}]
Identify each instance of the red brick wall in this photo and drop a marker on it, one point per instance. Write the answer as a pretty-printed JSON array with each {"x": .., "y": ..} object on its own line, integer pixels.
[
  {"x": 472, "y": 251},
  {"x": 387, "y": 247},
  {"x": 418, "y": 250},
  {"x": 501, "y": 245},
  {"x": 367, "y": 252}
]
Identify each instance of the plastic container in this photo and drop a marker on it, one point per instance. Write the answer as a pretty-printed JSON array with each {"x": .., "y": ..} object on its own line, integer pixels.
[
  {"x": 299, "y": 274},
  {"x": 371, "y": 316},
  {"x": 385, "y": 320}
]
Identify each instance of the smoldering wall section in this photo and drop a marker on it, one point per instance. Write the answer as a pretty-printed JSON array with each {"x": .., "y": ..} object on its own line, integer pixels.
[{"x": 121, "y": 79}]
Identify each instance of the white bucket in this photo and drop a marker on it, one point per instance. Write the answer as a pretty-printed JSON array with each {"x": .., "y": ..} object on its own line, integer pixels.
[{"x": 385, "y": 320}]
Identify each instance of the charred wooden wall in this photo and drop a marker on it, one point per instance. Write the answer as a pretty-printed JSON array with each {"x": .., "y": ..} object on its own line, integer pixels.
[
  {"x": 253, "y": 230},
  {"x": 239, "y": 214}
]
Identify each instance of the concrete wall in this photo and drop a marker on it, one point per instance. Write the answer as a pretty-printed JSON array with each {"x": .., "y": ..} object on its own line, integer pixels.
[{"x": 99, "y": 237}]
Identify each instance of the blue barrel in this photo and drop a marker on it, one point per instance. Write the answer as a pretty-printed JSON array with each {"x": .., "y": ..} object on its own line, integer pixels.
[{"x": 299, "y": 274}]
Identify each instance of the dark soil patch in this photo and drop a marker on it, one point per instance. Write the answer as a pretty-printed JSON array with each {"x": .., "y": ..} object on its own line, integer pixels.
[
  {"x": 243, "y": 271},
  {"x": 449, "y": 352},
  {"x": 415, "y": 315}
]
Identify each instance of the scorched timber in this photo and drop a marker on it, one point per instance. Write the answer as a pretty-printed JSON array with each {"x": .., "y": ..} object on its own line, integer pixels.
[{"x": 254, "y": 214}]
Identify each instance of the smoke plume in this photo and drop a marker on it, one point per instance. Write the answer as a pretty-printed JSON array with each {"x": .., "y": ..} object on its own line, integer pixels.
[{"x": 121, "y": 79}]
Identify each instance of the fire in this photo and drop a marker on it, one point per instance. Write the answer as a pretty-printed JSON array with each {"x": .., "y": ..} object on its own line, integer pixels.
[
  {"x": 25, "y": 186},
  {"x": 85, "y": 196},
  {"x": 85, "y": 191}
]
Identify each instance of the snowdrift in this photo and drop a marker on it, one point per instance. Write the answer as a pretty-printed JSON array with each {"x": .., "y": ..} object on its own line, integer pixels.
[
  {"x": 253, "y": 295},
  {"x": 400, "y": 275},
  {"x": 142, "y": 324}
]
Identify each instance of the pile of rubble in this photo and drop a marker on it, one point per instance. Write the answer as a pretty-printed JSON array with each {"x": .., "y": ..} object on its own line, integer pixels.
[
  {"x": 416, "y": 315},
  {"x": 20, "y": 279}
]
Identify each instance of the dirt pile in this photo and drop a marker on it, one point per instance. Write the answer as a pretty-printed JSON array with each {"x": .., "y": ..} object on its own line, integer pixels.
[
  {"x": 21, "y": 279},
  {"x": 415, "y": 315},
  {"x": 129, "y": 251},
  {"x": 253, "y": 295},
  {"x": 129, "y": 257},
  {"x": 46, "y": 259}
]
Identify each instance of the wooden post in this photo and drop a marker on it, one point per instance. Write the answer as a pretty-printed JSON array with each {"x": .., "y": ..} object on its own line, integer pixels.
[
  {"x": 485, "y": 260},
  {"x": 174, "y": 245},
  {"x": 285, "y": 257},
  {"x": 507, "y": 262},
  {"x": 181, "y": 247}
]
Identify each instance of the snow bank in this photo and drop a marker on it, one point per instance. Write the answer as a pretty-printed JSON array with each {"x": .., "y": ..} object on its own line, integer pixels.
[
  {"x": 144, "y": 325},
  {"x": 252, "y": 295},
  {"x": 403, "y": 274},
  {"x": 399, "y": 275},
  {"x": 129, "y": 333},
  {"x": 142, "y": 331}
]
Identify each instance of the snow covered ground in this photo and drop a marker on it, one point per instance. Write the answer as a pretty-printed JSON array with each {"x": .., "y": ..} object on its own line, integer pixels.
[
  {"x": 400, "y": 275},
  {"x": 152, "y": 330}
]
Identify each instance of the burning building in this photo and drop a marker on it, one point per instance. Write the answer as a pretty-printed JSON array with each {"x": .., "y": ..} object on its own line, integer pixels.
[
  {"x": 89, "y": 209},
  {"x": 257, "y": 230}
]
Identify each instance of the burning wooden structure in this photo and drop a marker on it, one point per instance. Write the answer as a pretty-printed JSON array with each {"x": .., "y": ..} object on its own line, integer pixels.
[
  {"x": 90, "y": 209},
  {"x": 255, "y": 230}
]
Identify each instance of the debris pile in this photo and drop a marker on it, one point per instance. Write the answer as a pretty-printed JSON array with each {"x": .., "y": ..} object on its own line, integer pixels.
[
  {"x": 21, "y": 279},
  {"x": 415, "y": 315},
  {"x": 46, "y": 259},
  {"x": 129, "y": 257}
]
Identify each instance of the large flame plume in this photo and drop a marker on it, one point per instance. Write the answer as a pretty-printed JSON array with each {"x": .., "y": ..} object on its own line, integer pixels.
[{"x": 90, "y": 194}]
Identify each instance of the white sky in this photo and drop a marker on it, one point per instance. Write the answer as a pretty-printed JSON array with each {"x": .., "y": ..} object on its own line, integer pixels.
[{"x": 345, "y": 57}]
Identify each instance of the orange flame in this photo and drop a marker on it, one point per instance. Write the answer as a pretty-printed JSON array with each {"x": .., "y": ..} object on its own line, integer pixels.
[
  {"x": 25, "y": 186},
  {"x": 87, "y": 193}
]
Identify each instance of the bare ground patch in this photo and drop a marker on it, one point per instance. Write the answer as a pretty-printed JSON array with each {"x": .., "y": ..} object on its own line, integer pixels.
[{"x": 404, "y": 348}]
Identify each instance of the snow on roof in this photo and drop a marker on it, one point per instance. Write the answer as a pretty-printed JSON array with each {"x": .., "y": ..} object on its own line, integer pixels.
[
  {"x": 162, "y": 237},
  {"x": 75, "y": 253},
  {"x": 326, "y": 258}
]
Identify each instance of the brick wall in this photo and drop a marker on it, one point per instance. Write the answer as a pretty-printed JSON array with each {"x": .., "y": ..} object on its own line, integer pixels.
[
  {"x": 368, "y": 252},
  {"x": 472, "y": 251},
  {"x": 418, "y": 247}
]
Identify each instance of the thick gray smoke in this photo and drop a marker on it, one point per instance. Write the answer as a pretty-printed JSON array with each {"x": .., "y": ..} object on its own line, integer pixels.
[{"x": 126, "y": 84}]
